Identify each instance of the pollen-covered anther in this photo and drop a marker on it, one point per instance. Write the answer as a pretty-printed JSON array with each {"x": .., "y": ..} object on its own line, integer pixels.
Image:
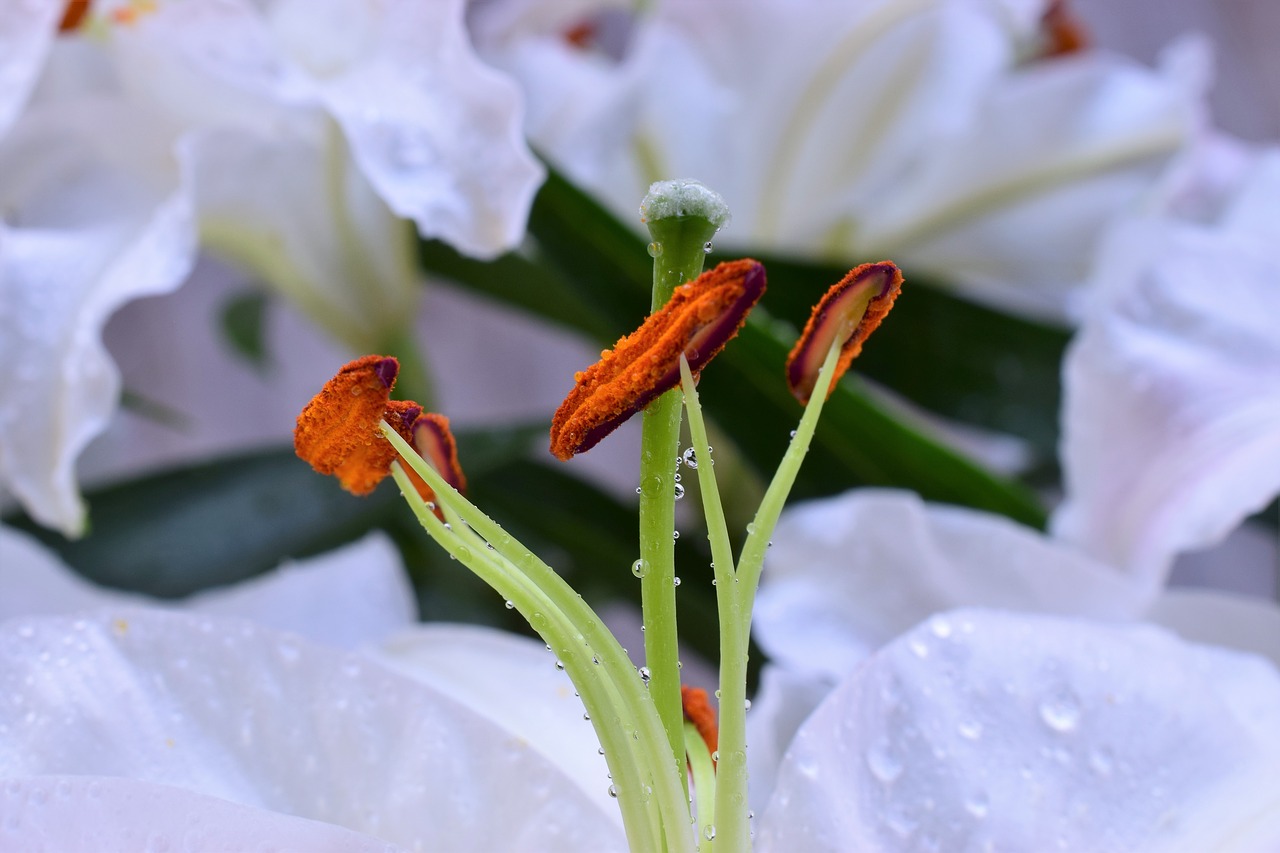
[
  {"x": 73, "y": 14},
  {"x": 433, "y": 439},
  {"x": 850, "y": 311},
  {"x": 1063, "y": 31},
  {"x": 698, "y": 710},
  {"x": 699, "y": 319},
  {"x": 338, "y": 430}
]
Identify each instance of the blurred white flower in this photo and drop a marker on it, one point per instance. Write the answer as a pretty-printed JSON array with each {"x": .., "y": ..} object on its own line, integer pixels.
[
  {"x": 849, "y": 574},
  {"x": 925, "y": 130},
  {"x": 1171, "y": 415},
  {"x": 290, "y": 135},
  {"x": 982, "y": 730}
]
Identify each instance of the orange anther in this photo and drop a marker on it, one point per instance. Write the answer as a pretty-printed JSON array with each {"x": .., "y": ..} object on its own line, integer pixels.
[
  {"x": 73, "y": 15},
  {"x": 338, "y": 430},
  {"x": 852, "y": 308},
  {"x": 699, "y": 319},
  {"x": 698, "y": 710},
  {"x": 1064, "y": 32}
]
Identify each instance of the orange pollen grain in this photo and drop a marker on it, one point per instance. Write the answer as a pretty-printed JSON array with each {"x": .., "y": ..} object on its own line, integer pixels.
[
  {"x": 338, "y": 431},
  {"x": 581, "y": 34},
  {"x": 1064, "y": 32},
  {"x": 698, "y": 710},
  {"x": 881, "y": 281},
  {"x": 698, "y": 320}
]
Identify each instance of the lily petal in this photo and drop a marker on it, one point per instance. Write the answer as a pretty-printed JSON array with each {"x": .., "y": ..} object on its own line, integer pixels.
[
  {"x": 346, "y": 597},
  {"x": 483, "y": 669},
  {"x": 1171, "y": 395},
  {"x": 434, "y": 131},
  {"x": 96, "y": 215},
  {"x": 1016, "y": 731},
  {"x": 109, "y": 814},
  {"x": 225, "y": 709},
  {"x": 27, "y": 35},
  {"x": 848, "y": 574}
]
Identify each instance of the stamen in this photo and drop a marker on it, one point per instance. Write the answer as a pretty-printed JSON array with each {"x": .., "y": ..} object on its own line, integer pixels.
[
  {"x": 74, "y": 14},
  {"x": 1064, "y": 33},
  {"x": 851, "y": 310},
  {"x": 338, "y": 431},
  {"x": 699, "y": 319},
  {"x": 582, "y": 34},
  {"x": 432, "y": 438},
  {"x": 698, "y": 710}
]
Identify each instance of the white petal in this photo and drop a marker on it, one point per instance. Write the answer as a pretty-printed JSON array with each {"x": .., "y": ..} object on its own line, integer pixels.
[
  {"x": 96, "y": 215},
  {"x": 228, "y": 710},
  {"x": 782, "y": 703},
  {"x": 347, "y": 597},
  {"x": 293, "y": 208},
  {"x": 1019, "y": 732},
  {"x": 482, "y": 669},
  {"x": 1221, "y": 619},
  {"x": 436, "y": 131},
  {"x": 1172, "y": 396},
  {"x": 108, "y": 814},
  {"x": 848, "y": 574},
  {"x": 1014, "y": 206},
  {"x": 34, "y": 582},
  {"x": 27, "y": 30}
]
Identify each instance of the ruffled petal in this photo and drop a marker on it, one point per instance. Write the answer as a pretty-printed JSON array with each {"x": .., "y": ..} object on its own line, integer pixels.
[
  {"x": 225, "y": 709},
  {"x": 483, "y": 669},
  {"x": 97, "y": 214},
  {"x": 1172, "y": 401},
  {"x": 436, "y": 131},
  {"x": 346, "y": 597},
  {"x": 27, "y": 35},
  {"x": 1013, "y": 206},
  {"x": 1017, "y": 732},
  {"x": 109, "y": 814},
  {"x": 848, "y": 574}
]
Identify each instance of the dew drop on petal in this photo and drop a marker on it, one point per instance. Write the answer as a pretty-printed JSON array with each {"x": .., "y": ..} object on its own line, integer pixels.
[
  {"x": 690, "y": 457},
  {"x": 613, "y": 791},
  {"x": 969, "y": 729},
  {"x": 1061, "y": 712},
  {"x": 679, "y": 491},
  {"x": 509, "y": 604},
  {"x": 882, "y": 762},
  {"x": 655, "y": 249},
  {"x": 1101, "y": 761},
  {"x": 640, "y": 568},
  {"x": 675, "y": 581},
  {"x": 645, "y": 675},
  {"x": 977, "y": 804}
]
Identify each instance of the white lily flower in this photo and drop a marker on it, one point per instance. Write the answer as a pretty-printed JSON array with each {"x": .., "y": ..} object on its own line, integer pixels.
[
  {"x": 95, "y": 212},
  {"x": 1171, "y": 415},
  {"x": 849, "y": 574},
  {"x": 356, "y": 597},
  {"x": 886, "y": 127},
  {"x": 26, "y": 35},
  {"x": 985, "y": 730},
  {"x": 348, "y": 597},
  {"x": 218, "y": 725}
]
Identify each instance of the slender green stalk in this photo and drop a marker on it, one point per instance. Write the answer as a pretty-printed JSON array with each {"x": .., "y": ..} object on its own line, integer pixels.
[
  {"x": 704, "y": 781},
  {"x": 630, "y": 723},
  {"x": 678, "y": 254},
  {"x": 731, "y": 828},
  {"x": 575, "y": 655}
]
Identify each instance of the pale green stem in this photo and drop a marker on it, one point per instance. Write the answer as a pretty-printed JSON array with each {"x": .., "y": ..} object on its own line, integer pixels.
[
  {"x": 732, "y": 830},
  {"x": 574, "y": 654},
  {"x": 628, "y": 723},
  {"x": 678, "y": 255},
  {"x": 703, "y": 767}
]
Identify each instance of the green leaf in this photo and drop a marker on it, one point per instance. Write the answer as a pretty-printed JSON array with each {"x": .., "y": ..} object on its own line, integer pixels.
[{"x": 243, "y": 322}]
